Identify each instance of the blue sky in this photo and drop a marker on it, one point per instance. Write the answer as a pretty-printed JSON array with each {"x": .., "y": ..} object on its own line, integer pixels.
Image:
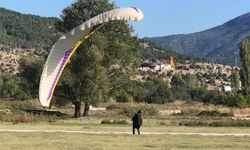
[{"x": 162, "y": 17}]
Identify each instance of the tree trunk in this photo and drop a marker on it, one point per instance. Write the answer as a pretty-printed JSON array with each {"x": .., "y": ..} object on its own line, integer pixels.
[
  {"x": 86, "y": 110},
  {"x": 77, "y": 109}
]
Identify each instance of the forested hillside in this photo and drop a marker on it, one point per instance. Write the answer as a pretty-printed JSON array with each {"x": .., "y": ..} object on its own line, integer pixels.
[
  {"x": 26, "y": 31},
  {"x": 155, "y": 52}
]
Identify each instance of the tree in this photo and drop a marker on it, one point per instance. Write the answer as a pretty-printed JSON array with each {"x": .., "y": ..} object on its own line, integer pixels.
[
  {"x": 184, "y": 84},
  {"x": 185, "y": 81},
  {"x": 30, "y": 72},
  {"x": 10, "y": 88},
  {"x": 158, "y": 91},
  {"x": 236, "y": 99},
  {"x": 235, "y": 79},
  {"x": 123, "y": 89},
  {"x": 177, "y": 80},
  {"x": 87, "y": 78},
  {"x": 191, "y": 81},
  {"x": 245, "y": 63}
]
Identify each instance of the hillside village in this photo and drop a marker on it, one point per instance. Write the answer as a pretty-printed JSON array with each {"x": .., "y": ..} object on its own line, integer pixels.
[{"x": 216, "y": 76}]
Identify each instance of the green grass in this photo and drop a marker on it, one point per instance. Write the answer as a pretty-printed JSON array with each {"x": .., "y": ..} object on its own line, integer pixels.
[
  {"x": 78, "y": 141},
  {"x": 93, "y": 124},
  {"x": 66, "y": 141},
  {"x": 72, "y": 141}
]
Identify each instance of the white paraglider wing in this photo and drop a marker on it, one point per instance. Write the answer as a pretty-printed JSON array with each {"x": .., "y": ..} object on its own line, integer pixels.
[{"x": 63, "y": 49}]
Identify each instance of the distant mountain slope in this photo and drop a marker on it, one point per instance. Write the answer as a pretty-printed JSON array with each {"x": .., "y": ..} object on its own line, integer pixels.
[
  {"x": 27, "y": 31},
  {"x": 156, "y": 53},
  {"x": 218, "y": 44}
]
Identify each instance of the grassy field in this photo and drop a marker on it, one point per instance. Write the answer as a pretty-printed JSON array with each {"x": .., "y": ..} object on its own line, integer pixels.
[
  {"x": 13, "y": 118},
  {"x": 94, "y": 124},
  {"x": 76, "y": 141},
  {"x": 66, "y": 141}
]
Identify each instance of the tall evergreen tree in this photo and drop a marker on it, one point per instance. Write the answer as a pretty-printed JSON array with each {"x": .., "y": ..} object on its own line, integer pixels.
[
  {"x": 245, "y": 63},
  {"x": 235, "y": 80}
]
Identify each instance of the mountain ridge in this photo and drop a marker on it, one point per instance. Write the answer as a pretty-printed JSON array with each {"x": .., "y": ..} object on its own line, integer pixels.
[{"x": 219, "y": 44}]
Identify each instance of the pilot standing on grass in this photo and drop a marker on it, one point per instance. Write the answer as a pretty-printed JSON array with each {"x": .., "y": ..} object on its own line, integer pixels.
[{"x": 137, "y": 121}]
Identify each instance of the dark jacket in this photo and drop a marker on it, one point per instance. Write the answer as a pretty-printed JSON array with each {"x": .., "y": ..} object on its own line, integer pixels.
[{"x": 137, "y": 120}]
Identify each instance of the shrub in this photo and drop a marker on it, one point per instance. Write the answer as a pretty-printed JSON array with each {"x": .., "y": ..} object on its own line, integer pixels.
[
  {"x": 10, "y": 88},
  {"x": 124, "y": 98},
  {"x": 236, "y": 99},
  {"x": 224, "y": 123},
  {"x": 146, "y": 110},
  {"x": 213, "y": 113},
  {"x": 163, "y": 123},
  {"x": 60, "y": 101},
  {"x": 106, "y": 121},
  {"x": 120, "y": 122},
  {"x": 113, "y": 107},
  {"x": 127, "y": 111},
  {"x": 23, "y": 104},
  {"x": 158, "y": 91},
  {"x": 23, "y": 118}
]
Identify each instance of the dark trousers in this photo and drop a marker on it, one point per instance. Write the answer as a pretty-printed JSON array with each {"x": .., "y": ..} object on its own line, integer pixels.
[{"x": 138, "y": 129}]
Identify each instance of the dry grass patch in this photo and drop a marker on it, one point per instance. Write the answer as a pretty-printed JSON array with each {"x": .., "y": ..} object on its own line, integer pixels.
[
  {"x": 21, "y": 118},
  {"x": 244, "y": 111},
  {"x": 17, "y": 104}
]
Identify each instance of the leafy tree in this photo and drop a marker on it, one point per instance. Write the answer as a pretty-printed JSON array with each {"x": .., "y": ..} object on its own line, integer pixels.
[
  {"x": 88, "y": 76},
  {"x": 177, "y": 81},
  {"x": 10, "y": 88},
  {"x": 245, "y": 63},
  {"x": 30, "y": 72},
  {"x": 199, "y": 94},
  {"x": 186, "y": 81},
  {"x": 235, "y": 79},
  {"x": 191, "y": 81},
  {"x": 85, "y": 79},
  {"x": 236, "y": 100},
  {"x": 142, "y": 92},
  {"x": 158, "y": 91},
  {"x": 123, "y": 88},
  {"x": 182, "y": 86}
]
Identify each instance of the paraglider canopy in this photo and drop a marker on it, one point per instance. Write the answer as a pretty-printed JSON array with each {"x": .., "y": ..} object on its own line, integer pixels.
[{"x": 63, "y": 49}]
